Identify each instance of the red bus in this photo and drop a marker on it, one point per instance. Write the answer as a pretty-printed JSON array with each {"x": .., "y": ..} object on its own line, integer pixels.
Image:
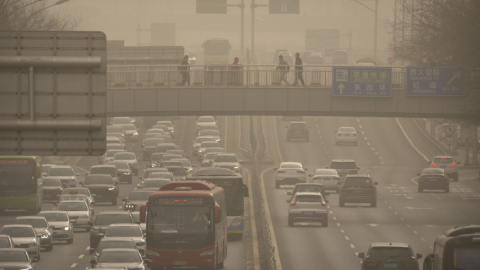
[{"x": 186, "y": 225}]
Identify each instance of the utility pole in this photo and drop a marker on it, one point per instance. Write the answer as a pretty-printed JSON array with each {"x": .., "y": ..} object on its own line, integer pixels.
[
  {"x": 252, "y": 49},
  {"x": 375, "y": 27}
]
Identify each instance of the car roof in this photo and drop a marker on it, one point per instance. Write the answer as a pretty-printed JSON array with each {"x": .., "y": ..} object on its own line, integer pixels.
[
  {"x": 308, "y": 184},
  {"x": 113, "y": 212},
  {"x": 119, "y": 249},
  {"x": 115, "y": 239},
  {"x": 124, "y": 225},
  {"x": 444, "y": 156},
  {"x": 389, "y": 244},
  {"x": 291, "y": 162},
  {"x": 4, "y": 236},
  {"x": 308, "y": 193},
  {"x": 104, "y": 165},
  {"x": 55, "y": 211},
  {"x": 343, "y": 160},
  {"x": 226, "y": 154},
  {"x": 18, "y": 225},
  {"x": 358, "y": 175},
  {"x": 298, "y": 122},
  {"x": 31, "y": 217},
  {"x": 72, "y": 188},
  {"x": 61, "y": 166},
  {"x": 126, "y": 152}
]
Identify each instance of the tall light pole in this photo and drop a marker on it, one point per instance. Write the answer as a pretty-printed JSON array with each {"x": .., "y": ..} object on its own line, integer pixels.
[{"x": 375, "y": 27}]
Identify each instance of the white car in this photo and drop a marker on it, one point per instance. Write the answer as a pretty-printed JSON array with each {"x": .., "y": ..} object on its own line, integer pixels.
[
  {"x": 448, "y": 164},
  {"x": 130, "y": 133},
  {"x": 127, "y": 230},
  {"x": 290, "y": 173},
  {"x": 78, "y": 212},
  {"x": 205, "y": 145},
  {"x": 308, "y": 207},
  {"x": 328, "y": 178},
  {"x": 24, "y": 236},
  {"x": 128, "y": 157},
  {"x": 346, "y": 135},
  {"x": 62, "y": 227},
  {"x": 206, "y": 121},
  {"x": 63, "y": 172},
  {"x": 198, "y": 141},
  {"x": 229, "y": 161},
  {"x": 170, "y": 126}
]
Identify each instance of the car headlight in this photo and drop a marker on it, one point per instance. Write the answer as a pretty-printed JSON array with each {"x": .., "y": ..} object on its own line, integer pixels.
[
  {"x": 217, "y": 140},
  {"x": 111, "y": 188},
  {"x": 127, "y": 173},
  {"x": 153, "y": 253},
  {"x": 236, "y": 167},
  {"x": 208, "y": 252},
  {"x": 129, "y": 206},
  {"x": 135, "y": 134},
  {"x": 66, "y": 228},
  {"x": 171, "y": 130},
  {"x": 44, "y": 236},
  {"x": 200, "y": 151}
]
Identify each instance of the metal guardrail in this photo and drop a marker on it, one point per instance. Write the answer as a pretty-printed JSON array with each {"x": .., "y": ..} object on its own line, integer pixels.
[{"x": 225, "y": 76}]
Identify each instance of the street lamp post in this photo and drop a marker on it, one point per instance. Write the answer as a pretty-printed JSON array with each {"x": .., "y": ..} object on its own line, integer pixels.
[{"x": 375, "y": 28}]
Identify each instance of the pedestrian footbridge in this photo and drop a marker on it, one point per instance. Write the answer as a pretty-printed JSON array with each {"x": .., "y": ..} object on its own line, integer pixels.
[{"x": 258, "y": 90}]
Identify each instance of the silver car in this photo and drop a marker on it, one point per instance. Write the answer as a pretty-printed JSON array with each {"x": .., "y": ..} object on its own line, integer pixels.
[
  {"x": 119, "y": 257},
  {"x": 127, "y": 230},
  {"x": 15, "y": 258},
  {"x": 130, "y": 133},
  {"x": 204, "y": 146},
  {"x": 205, "y": 121},
  {"x": 79, "y": 212},
  {"x": 153, "y": 184},
  {"x": 170, "y": 126},
  {"x": 198, "y": 141},
  {"x": 130, "y": 158},
  {"x": 308, "y": 207},
  {"x": 62, "y": 227},
  {"x": 229, "y": 161},
  {"x": 25, "y": 236},
  {"x": 108, "y": 156},
  {"x": 346, "y": 135},
  {"x": 208, "y": 159},
  {"x": 290, "y": 173},
  {"x": 329, "y": 179},
  {"x": 41, "y": 227},
  {"x": 448, "y": 164},
  {"x": 344, "y": 167},
  {"x": 113, "y": 242},
  {"x": 213, "y": 133},
  {"x": 63, "y": 172}
]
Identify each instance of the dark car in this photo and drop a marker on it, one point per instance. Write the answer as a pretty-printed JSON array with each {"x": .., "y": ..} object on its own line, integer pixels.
[
  {"x": 298, "y": 131},
  {"x": 103, "y": 220},
  {"x": 15, "y": 259},
  {"x": 113, "y": 242},
  {"x": 358, "y": 189},
  {"x": 52, "y": 188},
  {"x": 390, "y": 256},
  {"x": 148, "y": 171},
  {"x": 433, "y": 179},
  {"x": 149, "y": 147},
  {"x": 103, "y": 186},
  {"x": 6, "y": 241},
  {"x": 124, "y": 172},
  {"x": 307, "y": 187}
]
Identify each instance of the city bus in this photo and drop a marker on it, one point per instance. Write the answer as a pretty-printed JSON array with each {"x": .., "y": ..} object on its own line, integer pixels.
[
  {"x": 235, "y": 192},
  {"x": 216, "y": 51},
  {"x": 457, "y": 248},
  {"x": 20, "y": 184},
  {"x": 186, "y": 225}
]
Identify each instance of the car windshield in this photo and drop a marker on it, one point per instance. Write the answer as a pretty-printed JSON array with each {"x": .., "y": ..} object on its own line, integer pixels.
[
  {"x": 55, "y": 171},
  {"x": 308, "y": 198},
  {"x": 167, "y": 175},
  {"x": 214, "y": 172},
  {"x": 153, "y": 141},
  {"x": 129, "y": 127},
  {"x": 5, "y": 243},
  {"x": 45, "y": 168},
  {"x": 124, "y": 231},
  {"x": 326, "y": 172},
  {"x": 165, "y": 123},
  {"x": 206, "y": 119},
  {"x": 111, "y": 153},
  {"x": 343, "y": 165},
  {"x": 298, "y": 125},
  {"x": 209, "y": 144},
  {"x": 51, "y": 182},
  {"x": 210, "y": 132},
  {"x": 155, "y": 131},
  {"x": 390, "y": 252},
  {"x": 120, "y": 257},
  {"x": 139, "y": 196},
  {"x": 125, "y": 156},
  {"x": 115, "y": 129},
  {"x": 346, "y": 129},
  {"x": 443, "y": 160},
  {"x": 72, "y": 206},
  {"x": 291, "y": 166},
  {"x": 200, "y": 140},
  {"x": 98, "y": 180},
  {"x": 83, "y": 191},
  {"x": 121, "y": 120},
  {"x": 164, "y": 148},
  {"x": 116, "y": 244},
  {"x": 18, "y": 231},
  {"x": 104, "y": 170},
  {"x": 215, "y": 150},
  {"x": 180, "y": 219},
  {"x": 432, "y": 171},
  {"x": 53, "y": 217},
  {"x": 108, "y": 219},
  {"x": 156, "y": 156},
  {"x": 177, "y": 171},
  {"x": 358, "y": 181},
  {"x": 226, "y": 158},
  {"x": 308, "y": 188},
  {"x": 186, "y": 163},
  {"x": 36, "y": 223},
  {"x": 210, "y": 155},
  {"x": 13, "y": 256},
  {"x": 155, "y": 183},
  {"x": 170, "y": 157}
]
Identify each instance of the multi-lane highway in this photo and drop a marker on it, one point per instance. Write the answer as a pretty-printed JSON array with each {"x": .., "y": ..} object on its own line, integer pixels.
[
  {"x": 402, "y": 214},
  {"x": 76, "y": 255}
]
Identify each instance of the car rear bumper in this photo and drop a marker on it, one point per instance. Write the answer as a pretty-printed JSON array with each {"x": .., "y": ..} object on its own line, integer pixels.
[
  {"x": 434, "y": 185},
  {"x": 301, "y": 217},
  {"x": 61, "y": 234},
  {"x": 346, "y": 139},
  {"x": 290, "y": 181},
  {"x": 358, "y": 198}
]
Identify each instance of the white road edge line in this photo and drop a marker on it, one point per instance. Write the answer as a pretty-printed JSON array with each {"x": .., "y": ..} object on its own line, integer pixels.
[
  {"x": 81, "y": 256},
  {"x": 410, "y": 141},
  {"x": 73, "y": 265},
  {"x": 352, "y": 246},
  {"x": 88, "y": 248}
]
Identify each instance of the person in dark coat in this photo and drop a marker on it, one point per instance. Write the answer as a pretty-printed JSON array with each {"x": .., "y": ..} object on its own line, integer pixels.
[
  {"x": 184, "y": 70},
  {"x": 298, "y": 69},
  {"x": 283, "y": 67}
]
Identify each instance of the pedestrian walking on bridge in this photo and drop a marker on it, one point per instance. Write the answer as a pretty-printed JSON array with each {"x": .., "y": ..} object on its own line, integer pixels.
[
  {"x": 298, "y": 69},
  {"x": 283, "y": 67}
]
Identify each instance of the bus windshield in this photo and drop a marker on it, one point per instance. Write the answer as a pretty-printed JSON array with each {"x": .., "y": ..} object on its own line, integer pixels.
[
  {"x": 216, "y": 47},
  {"x": 180, "y": 219}
]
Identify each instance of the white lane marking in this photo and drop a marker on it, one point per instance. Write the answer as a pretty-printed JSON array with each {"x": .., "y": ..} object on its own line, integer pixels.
[
  {"x": 73, "y": 265},
  {"x": 410, "y": 141},
  {"x": 395, "y": 213},
  {"x": 346, "y": 238},
  {"x": 317, "y": 125},
  {"x": 352, "y": 246},
  {"x": 338, "y": 225},
  {"x": 373, "y": 149},
  {"x": 414, "y": 181},
  {"x": 375, "y": 167},
  {"x": 360, "y": 126},
  {"x": 367, "y": 171},
  {"x": 366, "y": 138},
  {"x": 328, "y": 206},
  {"x": 358, "y": 120},
  {"x": 430, "y": 247},
  {"x": 342, "y": 231},
  {"x": 415, "y": 232},
  {"x": 363, "y": 132},
  {"x": 376, "y": 153},
  {"x": 385, "y": 201},
  {"x": 318, "y": 131},
  {"x": 402, "y": 219},
  {"x": 423, "y": 239},
  {"x": 331, "y": 212},
  {"x": 87, "y": 248},
  {"x": 381, "y": 162},
  {"x": 316, "y": 119},
  {"x": 380, "y": 197},
  {"x": 81, "y": 256},
  {"x": 390, "y": 207},
  {"x": 380, "y": 157},
  {"x": 334, "y": 218},
  {"x": 120, "y": 208},
  {"x": 408, "y": 225},
  {"x": 80, "y": 168}
]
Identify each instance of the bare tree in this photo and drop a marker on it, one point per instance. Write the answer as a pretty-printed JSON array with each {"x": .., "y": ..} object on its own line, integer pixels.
[
  {"x": 441, "y": 33},
  {"x": 32, "y": 15}
]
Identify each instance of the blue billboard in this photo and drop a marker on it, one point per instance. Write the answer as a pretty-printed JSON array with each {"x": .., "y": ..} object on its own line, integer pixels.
[
  {"x": 362, "y": 81},
  {"x": 435, "y": 81}
]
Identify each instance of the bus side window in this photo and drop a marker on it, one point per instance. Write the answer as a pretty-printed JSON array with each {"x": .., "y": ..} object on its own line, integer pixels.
[{"x": 245, "y": 191}]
